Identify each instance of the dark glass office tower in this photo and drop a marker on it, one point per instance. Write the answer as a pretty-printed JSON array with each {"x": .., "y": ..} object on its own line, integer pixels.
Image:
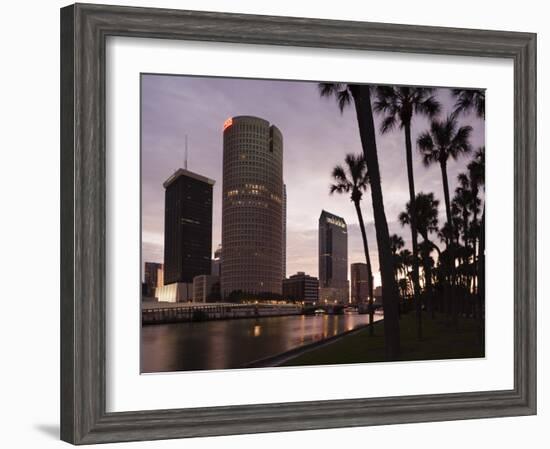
[
  {"x": 187, "y": 226},
  {"x": 333, "y": 258},
  {"x": 359, "y": 283}
]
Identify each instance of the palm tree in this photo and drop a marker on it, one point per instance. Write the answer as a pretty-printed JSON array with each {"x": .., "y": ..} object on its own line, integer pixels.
[
  {"x": 476, "y": 170},
  {"x": 405, "y": 262},
  {"x": 398, "y": 105},
  {"x": 441, "y": 142},
  {"x": 396, "y": 243},
  {"x": 466, "y": 202},
  {"x": 427, "y": 222},
  {"x": 468, "y": 99},
  {"x": 353, "y": 179},
  {"x": 360, "y": 95},
  {"x": 426, "y": 215},
  {"x": 445, "y": 140}
]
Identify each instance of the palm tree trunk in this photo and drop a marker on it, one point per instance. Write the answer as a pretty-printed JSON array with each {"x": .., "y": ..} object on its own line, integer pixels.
[
  {"x": 454, "y": 311},
  {"x": 414, "y": 233},
  {"x": 447, "y": 197},
  {"x": 429, "y": 276},
  {"x": 475, "y": 241},
  {"x": 390, "y": 293},
  {"x": 369, "y": 268}
]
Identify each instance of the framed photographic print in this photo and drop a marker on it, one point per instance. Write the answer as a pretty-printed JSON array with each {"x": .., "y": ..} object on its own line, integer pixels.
[{"x": 274, "y": 223}]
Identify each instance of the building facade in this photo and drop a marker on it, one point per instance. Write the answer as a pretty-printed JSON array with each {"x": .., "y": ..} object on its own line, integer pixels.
[
  {"x": 187, "y": 226},
  {"x": 252, "y": 207},
  {"x": 333, "y": 259},
  {"x": 359, "y": 283},
  {"x": 301, "y": 287},
  {"x": 206, "y": 288},
  {"x": 175, "y": 292},
  {"x": 217, "y": 262},
  {"x": 378, "y": 295},
  {"x": 153, "y": 277}
]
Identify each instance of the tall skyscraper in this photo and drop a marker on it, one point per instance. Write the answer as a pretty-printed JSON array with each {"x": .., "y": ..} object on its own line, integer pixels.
[
  {"x": 359, "y": 283},
  {"x": 252, "y": 207},
  {"x": 187, "y": 226},
  {"x": 333, "y": 258}
]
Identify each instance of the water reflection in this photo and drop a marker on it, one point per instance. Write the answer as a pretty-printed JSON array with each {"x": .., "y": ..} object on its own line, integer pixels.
[{"x": 234, "y": 343}]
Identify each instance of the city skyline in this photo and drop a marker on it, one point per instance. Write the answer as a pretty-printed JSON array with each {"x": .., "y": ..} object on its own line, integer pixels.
[{"x": 315, "y": 139}]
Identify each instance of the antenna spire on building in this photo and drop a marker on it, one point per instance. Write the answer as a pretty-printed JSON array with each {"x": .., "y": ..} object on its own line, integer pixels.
[{"x": 186, "y": 154}]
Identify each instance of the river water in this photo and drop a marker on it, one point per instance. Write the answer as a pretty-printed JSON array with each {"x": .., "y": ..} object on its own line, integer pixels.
[{"x": 227, "y": 344}]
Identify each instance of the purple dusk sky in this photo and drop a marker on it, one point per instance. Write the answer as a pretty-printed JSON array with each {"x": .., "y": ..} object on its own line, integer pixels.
[{"x": 316, "y": 138}]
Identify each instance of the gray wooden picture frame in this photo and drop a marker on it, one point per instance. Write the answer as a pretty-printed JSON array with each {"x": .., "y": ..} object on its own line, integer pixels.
[{"x": 84, "y": 29}]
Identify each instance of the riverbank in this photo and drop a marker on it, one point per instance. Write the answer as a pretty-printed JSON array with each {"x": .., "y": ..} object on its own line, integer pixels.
[
  {"x": 279, "y": 359},
  {"x": 441, "y": 341}
]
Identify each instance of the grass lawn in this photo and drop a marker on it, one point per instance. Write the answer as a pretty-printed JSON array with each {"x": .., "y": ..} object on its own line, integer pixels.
[{"x": 440, "y": 341}]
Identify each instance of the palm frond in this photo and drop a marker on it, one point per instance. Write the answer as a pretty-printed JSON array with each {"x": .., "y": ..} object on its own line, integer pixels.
[
  {"x": 339, "y": 174},
  {"x": 344, "y": 99},
  {"x": 468, "y": 99},
  {"x": 388, "y": 124},
  {"x": 429, "y": 107},
  {"x": 338, "y": 90}
]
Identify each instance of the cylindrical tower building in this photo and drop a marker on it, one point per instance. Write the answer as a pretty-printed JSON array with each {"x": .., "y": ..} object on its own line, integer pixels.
[{"x": 252, "y": 207}]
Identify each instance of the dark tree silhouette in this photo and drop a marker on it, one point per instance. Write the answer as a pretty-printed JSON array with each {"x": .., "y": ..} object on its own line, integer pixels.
[
  {"x": 397, "y": 105},
  {"x": 427, "y": 222},
  {"x": 443, "y": 142},
  {"x": 404, "y": 265},
  {"x": 360, "y": 95},
  {"x": 353, "y": 179},
  {"x": 476, "y": 170},
  {"x": 426, "y": 214},
  {"x": 396, "y": 243},
  {"x": 468, "y": 99}
]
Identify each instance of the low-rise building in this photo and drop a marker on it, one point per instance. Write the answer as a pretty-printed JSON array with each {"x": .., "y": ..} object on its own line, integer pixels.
[
  {"x": 175, "y": 292},
  {"x": 334, "y": 295},
  {"x": 301, "y": 287},
  {"x": 206, "y": 288}
]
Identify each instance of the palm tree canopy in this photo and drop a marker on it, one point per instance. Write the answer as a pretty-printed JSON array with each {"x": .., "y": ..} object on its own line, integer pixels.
[
  {"x": 341, "y": 91},
  {"x": 476, "y": 168},
  {"x": 397, "y": 105},
  {"x": 396, "y": 243},
  {"x": 465, "y": 196},
  {"x": 425, "y": 248},
  {"x": 447, "y": 233},
  {"x": 444, "y": 140},
  {"x": 426, "y": 214},
  {"x": 351, "y": 178},
  {"x": 468, "y": 99}
]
